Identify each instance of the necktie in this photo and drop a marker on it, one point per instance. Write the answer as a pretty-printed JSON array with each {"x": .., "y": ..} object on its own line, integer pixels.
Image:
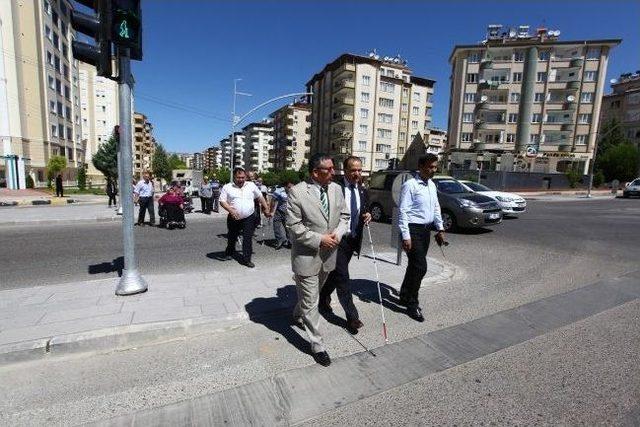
[
  {"x": 354, "y": 211},
  {"x": 324, "y": 201}
]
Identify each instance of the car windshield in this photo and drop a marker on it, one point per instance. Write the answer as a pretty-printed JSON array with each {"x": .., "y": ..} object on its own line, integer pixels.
[
  {"x": 636, "y": 182},
  {"x": 450, "y": 186},
  {"x": 477, "y": 187}
]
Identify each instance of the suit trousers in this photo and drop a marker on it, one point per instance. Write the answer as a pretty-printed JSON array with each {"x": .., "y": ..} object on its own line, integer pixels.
[
  {"x": 417, "y": 266},
  {"x": 239, "y": 227},
  {"x": 308, "y": 289},
  {"x": 146, "y": 204},
  {"x": 339, "y": 279}
]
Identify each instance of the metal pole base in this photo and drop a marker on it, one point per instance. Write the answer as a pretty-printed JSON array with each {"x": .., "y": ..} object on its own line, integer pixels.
[{"x": 131, "y": 283}]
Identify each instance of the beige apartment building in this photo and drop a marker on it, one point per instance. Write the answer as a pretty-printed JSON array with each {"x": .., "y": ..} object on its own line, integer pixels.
[
  {"x": 291, "y": 136},
  {"x": 144, "y": 144},
  {"x": 623, "y": 105},
  {"x": 258, "y": 139},
  {"x": 39, "y": 89},
  {"x": 238, "y": 151},
  {"x": 369, "y": 107},
  {"x": 526, "y": 102}
]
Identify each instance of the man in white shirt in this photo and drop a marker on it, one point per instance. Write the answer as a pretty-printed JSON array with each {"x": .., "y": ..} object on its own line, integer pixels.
[
  {"x": 238, "y": 198},
  {"x": 419, "y": 214},
  {"x": 143, "y": 193}
]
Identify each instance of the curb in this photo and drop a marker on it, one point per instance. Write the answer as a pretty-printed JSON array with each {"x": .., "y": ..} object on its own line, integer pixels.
[{"x": 85, "y": 221}]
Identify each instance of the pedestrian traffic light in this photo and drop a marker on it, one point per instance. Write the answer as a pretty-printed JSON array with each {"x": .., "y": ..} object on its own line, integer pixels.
[
  {"x": 98, "y": 27},
  {"x": 126, "y": 27}
]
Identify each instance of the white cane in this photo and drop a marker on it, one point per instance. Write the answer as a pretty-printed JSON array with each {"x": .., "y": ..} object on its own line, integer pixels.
[{"x": 375, "y": 265}]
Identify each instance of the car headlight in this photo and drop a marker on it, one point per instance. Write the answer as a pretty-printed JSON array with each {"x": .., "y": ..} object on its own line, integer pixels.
[{"x": 466, "y": 203}]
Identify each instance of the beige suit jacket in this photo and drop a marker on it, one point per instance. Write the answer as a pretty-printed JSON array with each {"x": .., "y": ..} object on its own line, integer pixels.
[{"x": 307, "y": 223}]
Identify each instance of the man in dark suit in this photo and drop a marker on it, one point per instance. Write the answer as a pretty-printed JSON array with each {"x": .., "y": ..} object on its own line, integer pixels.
[{"x": 356, "y": 198}]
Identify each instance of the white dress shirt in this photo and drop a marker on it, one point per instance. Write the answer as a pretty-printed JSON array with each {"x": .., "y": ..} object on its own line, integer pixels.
[
  {"x": 144, "y": 189},
  {"x": 347, "y": 193},
  {"x": 419, "y": 205},
  {"x": 242, "y": 199}
]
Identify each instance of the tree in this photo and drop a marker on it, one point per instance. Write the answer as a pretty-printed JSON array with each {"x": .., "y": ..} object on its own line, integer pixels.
[
  {"x": 106, "y": 159},
  {"x": 55, "y": 165},
  {"x": 82, "y": 178},
  {"x": 620, "y": 162},
  {"x": 303, "y": 172},
  {"x": 223, "y": 175},
  {"x": 176, "y": 163},
  {"x": 289, "y": 175},
  {"x": 610, "y": 135},
  {"x": 160, "y": 164}
]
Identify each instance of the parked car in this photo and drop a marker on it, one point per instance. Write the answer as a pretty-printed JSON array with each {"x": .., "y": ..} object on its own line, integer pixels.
[
  {"x": 460, "y": 207},
  {"x": 511, "y": 203},
  {"x": 632, "y": 189}
]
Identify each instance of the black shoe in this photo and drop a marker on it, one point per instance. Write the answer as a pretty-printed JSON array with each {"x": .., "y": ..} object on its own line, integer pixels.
[
  {"x": 325, "y": 309},
  {"x": 353, "y": 325},
  {"x": 248, "y": 264},
  {"x": 415, "y": 313},
  {"x": 322, "y": 358},
  {"x": 298, "y": 322},
  {"x": 278, "y": 246}
]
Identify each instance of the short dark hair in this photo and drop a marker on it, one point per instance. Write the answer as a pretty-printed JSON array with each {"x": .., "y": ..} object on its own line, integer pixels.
[
  {"x": 238, "y": 169},
  {"x": 316, "y": 159},
  {"x": 349, "y": 160},
  {"x": 427, "y": 158}
]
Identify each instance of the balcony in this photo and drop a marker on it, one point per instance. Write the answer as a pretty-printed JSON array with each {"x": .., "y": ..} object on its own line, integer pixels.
[
  {"x": 479, "y": 146},
  {"x": 486, "y": 64},
  {"x": 576, "y": 63},
  {"x": 341, "y": 134},
  {"x": 342, "y": 117},
  {"x": 488, "y": 84},
  {"x": 573, "y": 85},
  {"x": 344, "y": 84},
  {"x": 344, "y": 68},
  {"x": 347, "y": 100}
]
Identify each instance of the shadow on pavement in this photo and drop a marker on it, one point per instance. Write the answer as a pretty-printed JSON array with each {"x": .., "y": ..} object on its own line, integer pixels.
[
  {"x": 367, "y": 291},
  {"x": 117, "y": 265},
  {"x": 275, "y": 314}
]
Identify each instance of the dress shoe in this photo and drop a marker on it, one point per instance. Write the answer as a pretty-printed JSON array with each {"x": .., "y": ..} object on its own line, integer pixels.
[
  {"x": 248, "y": 264},
  {"x": 278, "y": 246},
  {"x": 322, "y": 358},
  {"x": 296, "y": 321},
  {"x": 415, "y": 313},
  {"x": 353, "y": 325}
]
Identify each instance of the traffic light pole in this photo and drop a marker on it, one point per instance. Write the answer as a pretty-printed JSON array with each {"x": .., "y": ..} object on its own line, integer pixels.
[{"x": 131, "y": 282}]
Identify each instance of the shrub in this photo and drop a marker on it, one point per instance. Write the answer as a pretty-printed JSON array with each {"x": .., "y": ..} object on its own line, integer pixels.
[
  {"x": 574, "y": 177},
  {"x": 29, "y": 182}
]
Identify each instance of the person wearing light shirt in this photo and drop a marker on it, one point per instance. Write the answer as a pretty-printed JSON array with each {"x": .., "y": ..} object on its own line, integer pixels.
[
  {"x": 143, "y": 193},
  {"x": 238, "y": 198},
  {"x": 419, "y": 214}
]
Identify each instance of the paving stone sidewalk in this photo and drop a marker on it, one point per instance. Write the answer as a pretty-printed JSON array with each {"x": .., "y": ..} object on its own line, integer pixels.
[{"x": 88, "y": 316}]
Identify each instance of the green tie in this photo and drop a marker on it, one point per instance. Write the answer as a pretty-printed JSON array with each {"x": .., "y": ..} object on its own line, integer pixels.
[{"x": 324, "y": 201}]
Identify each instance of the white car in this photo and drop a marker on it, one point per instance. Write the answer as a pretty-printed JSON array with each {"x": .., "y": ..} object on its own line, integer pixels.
[
  {"x": 632, "y": 189},
  {"x": 511, "y": 203}
]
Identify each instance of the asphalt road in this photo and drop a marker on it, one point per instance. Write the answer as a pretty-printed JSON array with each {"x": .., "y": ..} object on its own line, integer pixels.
[{"x": 581, "y": 374}]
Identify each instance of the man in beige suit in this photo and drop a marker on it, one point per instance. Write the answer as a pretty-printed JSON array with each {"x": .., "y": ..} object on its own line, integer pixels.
[{"x": 317, "y": 218}]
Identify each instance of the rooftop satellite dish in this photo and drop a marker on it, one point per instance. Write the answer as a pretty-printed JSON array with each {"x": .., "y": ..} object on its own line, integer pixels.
[
  {"x": 371, "y": 54},
  {"x": 557, "y": 33},
  {"x": 612, "y": 81},
  {"x": 484, "y": 98},
  {"x": 512, "y": 33},
  {"x": 386, "y": 58},
  {"x": 571, "y": 98},
  {"x": 376, "y": 57}
]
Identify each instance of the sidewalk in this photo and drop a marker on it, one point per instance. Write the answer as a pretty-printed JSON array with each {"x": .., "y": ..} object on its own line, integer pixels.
[
  {"x": 37, "y": 197},
  {"x": 88, "y": 316},
  {"x": 575, "y": 193}
]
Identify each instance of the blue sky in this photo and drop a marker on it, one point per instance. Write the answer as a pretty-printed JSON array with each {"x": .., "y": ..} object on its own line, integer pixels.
[{"x": 194, "y": 49}]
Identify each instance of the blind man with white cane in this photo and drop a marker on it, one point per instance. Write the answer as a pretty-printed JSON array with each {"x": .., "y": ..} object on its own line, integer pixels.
[{"x": 419, "y": 215}]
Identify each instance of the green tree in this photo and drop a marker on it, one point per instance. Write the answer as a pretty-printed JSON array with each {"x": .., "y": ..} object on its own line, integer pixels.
[
  {"x": 289, "y": 175},
  {"x": 160, "y": 164},
  {"x": 82, "y": 178},
  {"x": 620, "y": 162},
  {"x": 106, "y": 158},
  {"x": 176, "y": 163},
  {"x": 30, "y": 183},
  {"x": 610, "y": 134},
  {"x": 223, "y": 175},
  {"x": 573, "y": 176},
  {"x": 303, "y": 172},
  {"x": 270, "y": 178},
  {"x": 55, "y": 165}
]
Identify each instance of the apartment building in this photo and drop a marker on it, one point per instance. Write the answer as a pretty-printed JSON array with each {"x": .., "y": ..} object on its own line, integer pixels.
[
  {"x": 144, "y": 144},
  {"x": 258, "y": 142},
  {"x": 99, "y": 114},
  {"x": 623, "y": 105},
  {"x": 369, "y": 107},
  {"x": 436, "y": 141},
  {"x": 238, "y": 150},
  {"x": 291, "y": 136},
  {"x": 209, "y": 159},
  {"x": 39, "y": 90},
  {"x": 526, "y": 102}
]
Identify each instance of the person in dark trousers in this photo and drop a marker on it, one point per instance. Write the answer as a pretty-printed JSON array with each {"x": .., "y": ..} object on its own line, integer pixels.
[
  {"x": 59, "y": 187},
  {"x": 279, "y": 211},
  {"x": 205, "y": 194},
  {"x": 238, "y": 198},
  {"x": 215, "y": 194},
  {"x": 356, "y": 197},
  {"x": 143, "y": 192},
  {"x": 419, "y": 215},
  {"x": 111, "y": 191}
]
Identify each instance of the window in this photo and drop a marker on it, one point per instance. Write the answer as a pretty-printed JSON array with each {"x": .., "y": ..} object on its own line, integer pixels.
[
  {"x": 381, "y": 163},
  {"x": 541, "y": 77},
  {"x": 584, "y": 118},
  {"x": 403, "y": 136},
  {"x": 47, "y": 7},
  {"x": 593, "y": 53},
  {"x": 404, "y": 107},
  {"x": 384, "y": 133},
  {"x": 362, "y": 145},
  {"x": 514, "y": 97},
  {"x": 534, "y": 138},
  {"x": 538, "y": 97},
  {"x": 469, "y": 97},
  {"x": 403, "y": 122},
  {"x": 68, "y": 113},
  {"x": 589, "y": 76},
  {"x": 517, "y": 77},
  {"x": 513, "y": 117},
  {"x": 472, "y": 77},
  {"x": 385, "y": 102},
  {"x": 366, "y": 80},
  {"x": 364, "y": 129},
  {"x": 385, "y": 118},
  {"x": 581, "y": 139},
  {"x": 59, "y": 86},
  {"x": 535, "y": 118},
  {"x": 544, "y": 55},
  {"x": 54, "y": 18},
  {"x": 405, "y": 92},
  {"x": 57, "y": 63},
  {"x": 467, "y": 117},
  {"x": 364, "y": 113},
  {"x": 586, "y": 97},
  {"x": 415, "y": 111},
  {"x": 61, "y": 131},
  {"x": 66, "y": 71},
  {"x": 67, "y": 93},
  {"x": 474, "y": 57},
  {"x": 56, "y": 40},
  {"x": 63, "y": 29},
  {"x": 511, "y": 137},
  {"x": 69, "y": 134},
  {"x": 60, "y": 109},
  {"x": 364, "y": 97},
  {"x": 64, "y": 50},
  {"x": 387, "y": 87},
  {"x": 414, "y": 124},
  {"x": 54, "y": 131},
  {"x": 467, "y": 137},
  {"x": 52, "y": 83},
  {"x": 518, "y": 56},
  {"x": 52, "y": 107},
  {"x": 383, "y": 148},
  {"x": 49, "y": 58},
  {"x": 416, "y": 96},
  {"x": 47, "y": 32}
]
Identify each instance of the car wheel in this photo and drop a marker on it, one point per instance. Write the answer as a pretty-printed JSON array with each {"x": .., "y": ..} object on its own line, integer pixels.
[
  {"x": 377, "y": 214},
  {"x": 448, "y": 221}
]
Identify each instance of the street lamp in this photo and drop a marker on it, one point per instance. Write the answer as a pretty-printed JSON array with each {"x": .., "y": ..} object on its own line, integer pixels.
[
  {"x": 234, "y": 120},
  {"x": 592, "y": 162}
]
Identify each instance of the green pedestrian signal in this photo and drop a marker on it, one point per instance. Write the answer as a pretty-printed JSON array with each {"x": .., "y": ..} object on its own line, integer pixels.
[{"x": 124, "y": 30}]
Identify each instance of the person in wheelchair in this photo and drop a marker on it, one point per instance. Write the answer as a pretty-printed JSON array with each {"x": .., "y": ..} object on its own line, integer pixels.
[{"x": 171, "y": 209}]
